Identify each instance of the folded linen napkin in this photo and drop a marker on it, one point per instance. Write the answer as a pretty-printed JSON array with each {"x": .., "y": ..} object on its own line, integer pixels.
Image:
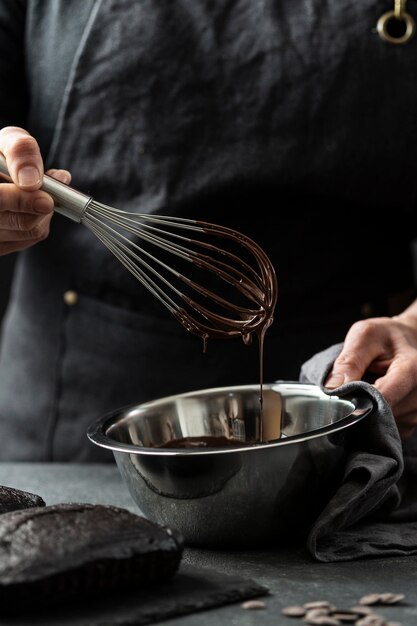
[{"x": 374, "y": 511}]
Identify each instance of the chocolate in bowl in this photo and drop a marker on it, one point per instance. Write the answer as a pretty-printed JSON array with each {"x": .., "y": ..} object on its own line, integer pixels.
[{"x": 256, "y": 491}]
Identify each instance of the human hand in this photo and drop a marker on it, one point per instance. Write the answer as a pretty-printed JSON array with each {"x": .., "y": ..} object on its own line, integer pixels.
[
  {"x": 387, "y": 348},
  {"x": 25, "y": 211}
]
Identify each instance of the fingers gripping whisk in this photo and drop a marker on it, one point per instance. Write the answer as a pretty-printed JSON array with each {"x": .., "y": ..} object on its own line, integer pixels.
[{"x": 216, "y": 281}]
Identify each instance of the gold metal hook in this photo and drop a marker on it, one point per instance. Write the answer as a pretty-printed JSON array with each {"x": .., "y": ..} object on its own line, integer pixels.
[
  {"x": 399, "y": 14},
  {"x": 399, "y": 8}
]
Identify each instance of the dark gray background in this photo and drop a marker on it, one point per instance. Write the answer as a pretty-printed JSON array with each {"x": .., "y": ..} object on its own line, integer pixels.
[{"x": 6, "y": 271}]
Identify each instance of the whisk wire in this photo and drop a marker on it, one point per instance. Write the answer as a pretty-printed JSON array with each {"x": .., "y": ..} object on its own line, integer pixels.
[
  {"x": 228, "y": 273},
  {"x": 110, "y": 237},
  {"x": 253, "y": 283},
  {"x": 251, "y": 278},
  {"x": 122, "y": 252}
]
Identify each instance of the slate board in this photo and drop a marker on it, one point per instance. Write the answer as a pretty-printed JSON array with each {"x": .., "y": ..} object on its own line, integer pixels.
[{"x": 192, "y": 589}]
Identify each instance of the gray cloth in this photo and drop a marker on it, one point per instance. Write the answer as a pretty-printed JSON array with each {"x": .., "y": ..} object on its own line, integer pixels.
[
  {"x": 191, "y": 590},
  {"x": 374, "y": 511}
]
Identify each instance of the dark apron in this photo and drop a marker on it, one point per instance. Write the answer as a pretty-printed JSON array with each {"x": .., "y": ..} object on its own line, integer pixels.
[{"x": 236, "y": 112}]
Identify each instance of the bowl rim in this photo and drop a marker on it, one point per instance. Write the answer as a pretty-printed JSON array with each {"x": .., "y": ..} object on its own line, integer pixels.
[{"x": 96, "y": 432}]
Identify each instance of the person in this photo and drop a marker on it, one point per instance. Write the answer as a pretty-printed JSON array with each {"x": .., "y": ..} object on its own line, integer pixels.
[{"x": 293, "y": 122}]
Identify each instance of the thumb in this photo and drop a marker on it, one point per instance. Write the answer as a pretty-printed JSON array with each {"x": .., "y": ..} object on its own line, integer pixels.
[
  {"x": 352, "y": 363},
  {"x": 335, "y": 379},
  {"x": 345, "y": 369}
]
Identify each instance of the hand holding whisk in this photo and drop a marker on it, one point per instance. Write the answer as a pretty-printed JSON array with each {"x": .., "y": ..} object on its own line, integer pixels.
[{"x": 233, "y": 288}]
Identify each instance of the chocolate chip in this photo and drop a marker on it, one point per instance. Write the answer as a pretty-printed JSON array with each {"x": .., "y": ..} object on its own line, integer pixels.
[
  {"x": 391, "y": 598},
  {"x": 348, "y": 617},
  {"x": 313, "y": 613},
  {"x": 319, "y": 604},
  {"x": 253, "y": 604},
  {"x": 294, "y": 611},
  {"x": 371, "y": 620},
  {"x": 371, "y": 598},
  {"x": 322, "y": 613},
  {"x": 322, "y": 620},
  {"x": 361, "y": 610}
]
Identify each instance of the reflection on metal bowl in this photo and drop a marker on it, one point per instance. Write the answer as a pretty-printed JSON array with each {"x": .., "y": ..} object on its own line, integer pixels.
[{"x": 270, "y": 482}]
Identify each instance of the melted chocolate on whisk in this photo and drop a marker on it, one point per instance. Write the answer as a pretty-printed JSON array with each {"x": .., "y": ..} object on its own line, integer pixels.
[{"x": 262, "y": 292}]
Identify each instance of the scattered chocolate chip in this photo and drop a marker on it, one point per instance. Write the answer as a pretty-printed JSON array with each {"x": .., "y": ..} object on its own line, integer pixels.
[
  {"x": 361, "y": 610},
  {"x": 318, "y": 604},
  {"x": 322, "y": 620},
  {"x": 382, "y": 598},
  {"x": 371, "y": 620},
  {"x": 371, "y": 598},
  {"x": 313, "y": 613},
  {"x": 391, "y": 598},
  {"x": 253, "y": 604},
  {"x": 322, "y": 613},
  {"x": 294, "y": 611},
  {"x": 347, "y": 617}
]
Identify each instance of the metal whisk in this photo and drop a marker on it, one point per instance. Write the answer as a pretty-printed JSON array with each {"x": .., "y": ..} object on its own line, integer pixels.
[{"x": 244, "y": 294}]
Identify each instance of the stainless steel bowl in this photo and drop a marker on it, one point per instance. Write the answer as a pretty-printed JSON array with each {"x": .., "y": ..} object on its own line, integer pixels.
[{"x": 259, "y": 490}]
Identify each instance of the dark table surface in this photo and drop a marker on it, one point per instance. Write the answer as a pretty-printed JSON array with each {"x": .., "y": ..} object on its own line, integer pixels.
[{"x": 290, "y": 573}]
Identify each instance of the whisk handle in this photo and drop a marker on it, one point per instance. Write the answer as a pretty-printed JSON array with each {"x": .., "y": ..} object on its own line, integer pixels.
[{"x": 68, "y": 201}]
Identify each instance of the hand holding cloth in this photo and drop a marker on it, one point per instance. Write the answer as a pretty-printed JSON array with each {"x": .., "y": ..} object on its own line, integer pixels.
[{"x": 373, "y": 513}]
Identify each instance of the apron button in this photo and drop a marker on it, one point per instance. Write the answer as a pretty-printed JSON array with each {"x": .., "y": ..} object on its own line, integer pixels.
[{"x": 70, "y": 298}]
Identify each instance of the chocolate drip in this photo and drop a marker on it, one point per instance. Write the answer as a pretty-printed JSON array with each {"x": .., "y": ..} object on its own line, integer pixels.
[{"x": 257, "y": 285}]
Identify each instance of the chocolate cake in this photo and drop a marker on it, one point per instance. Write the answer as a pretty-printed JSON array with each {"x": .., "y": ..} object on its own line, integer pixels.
[
  {"x": 49, "y": 554},
  {"x": 14, "y": 499}
]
